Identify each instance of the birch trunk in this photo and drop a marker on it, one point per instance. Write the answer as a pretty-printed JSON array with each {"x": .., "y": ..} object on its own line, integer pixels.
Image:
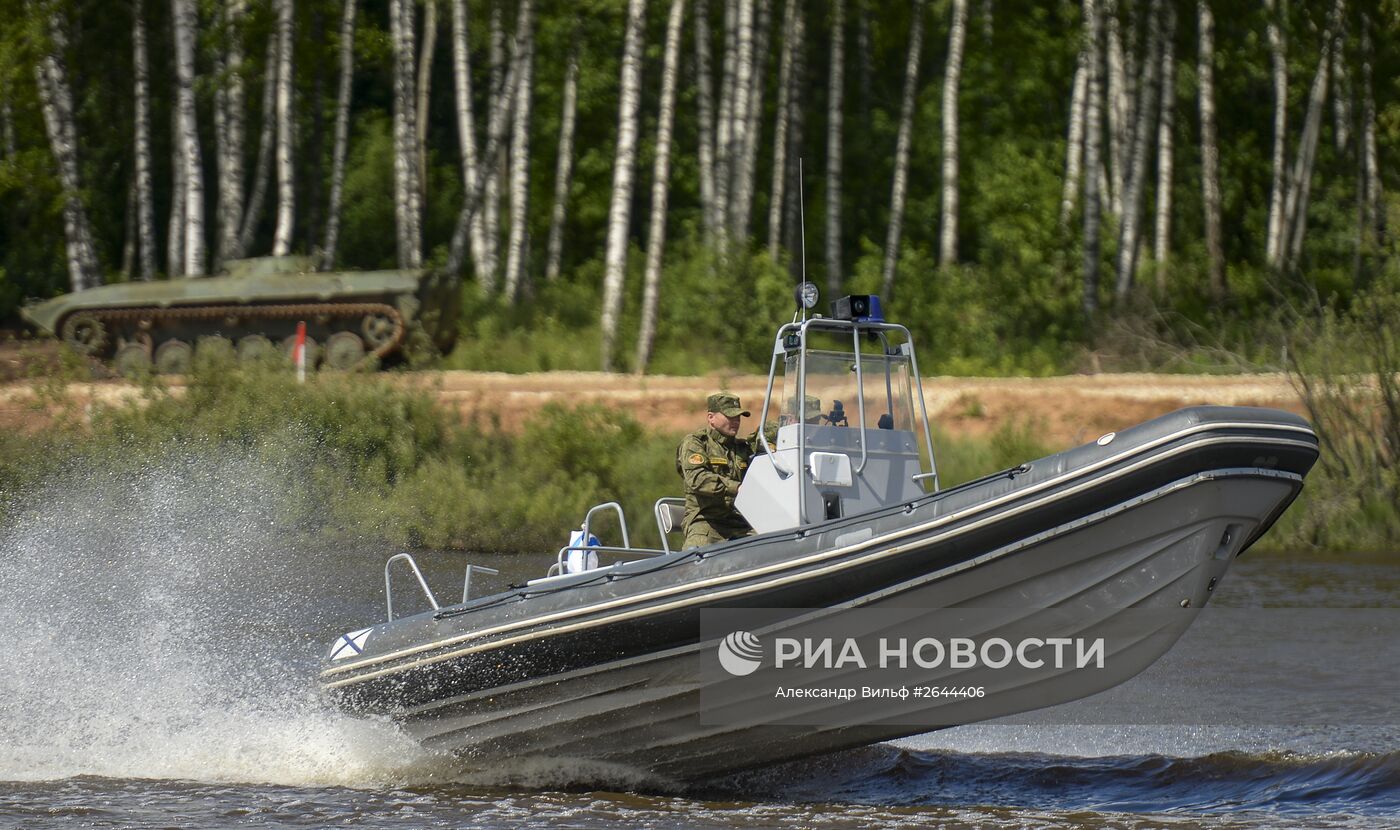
[
  {"x": 834, "y": 85},
  {"x": 1341, "y": 89},
  {"x": 705, "y": 116},
  {"x": 425, "y": 80},
  {"x": 792, "y": 41},
  {"x": 1074, "y": 144},
  {"x": 724, "y": 126},
  {"x": 516, "y": 276},
  {"x": 1210, "y": 153},
  {"x": 620, "y": 210},
  {"x": 342, "y": 133},
  {"x": 1129, "y": 224},
  {"x": 175, "y": 230},
  {"x": 948, "y": 235},
  {"x": 748, "y": 164},
  {"x": 563, "y": 165},
  {"x": 229, "y": 134},
  {"x": 1162, "y": 234},
  {"x": 221, "y": 162},
  {"x": 252, "y": 212},
  {"x": 1274, "y": 245},
  {"x": 286, "y": 192},
  {"x": 661, "y": 177},
  {"x": 901, "y": 152},
  {"x": 466, "y": 128},
  {"x": 739, "y": 114},
  {"x": 1295, "y": 205},
  {"x": 237, "y": 99},
  {"x": 491, "y": 170},
  {"x": 186, "y": 25},
  {"x": 56, "y": 102},
  {"x": 474, "y": 205},
  {"x": 145, "y": 207},
  {"x": 1373, "y": 214},
  {"x": 1117, "y": 107},
  {"x": 1092, "y": 129},
  {"x": 406, "y": 191}
]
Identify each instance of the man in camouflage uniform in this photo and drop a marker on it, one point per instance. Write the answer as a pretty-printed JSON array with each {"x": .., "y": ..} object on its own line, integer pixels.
[{"x": 713, "y": 461}]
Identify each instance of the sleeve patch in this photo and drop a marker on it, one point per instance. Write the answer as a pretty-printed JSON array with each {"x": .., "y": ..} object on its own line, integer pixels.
[{"x": 696, "y": 458}]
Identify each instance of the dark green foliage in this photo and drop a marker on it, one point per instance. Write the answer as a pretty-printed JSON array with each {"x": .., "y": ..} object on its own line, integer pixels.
[{"x": 1011, "y": 305}]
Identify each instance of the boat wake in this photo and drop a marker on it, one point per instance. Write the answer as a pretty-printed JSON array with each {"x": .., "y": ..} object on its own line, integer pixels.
[{"x": 159, "y": 624}]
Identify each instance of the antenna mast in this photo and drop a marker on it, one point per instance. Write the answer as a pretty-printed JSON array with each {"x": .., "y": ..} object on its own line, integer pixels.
[{"x": 802, "y": 226}]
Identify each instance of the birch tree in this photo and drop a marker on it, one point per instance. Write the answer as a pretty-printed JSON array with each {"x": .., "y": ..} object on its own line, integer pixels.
[
  {"x": 705, "y": 119},
  {"x": 1162, "y": 231},
  {"x": 262, "y": 169},
  {"x": 186, "y": 24},
  {"x": 748, "y": 160},
  {"x": 724, "y": 124},
  {"x": 835, "y": 82},
  {"x": 948, "y": 235},
  {"x": 229, "y": 133},
  {"x": 56, "y": 103},
  {"x": 1074, "y": 144},
  {"x": 145, "y": 206},
  {"x": 175, "y": 229},
  {"x": 491, "y": 170},
  {"x": 407, "y": 194},
  {"x": 1117, "y": 107},
  {"x": 1274, "y": 245},
  {"x": 520, "y": 155},
  {"x": 474, "y": 204},
  {"x": 342, "y": 132},
  {"x": 1210, "y": 153},
  {"x": 466, "y": 128},
  {"x": 564, "y": 163},
  {"x": 1372, "y": 214},
  {"x": 739, "y": 113},
  {"x": 1129, "y": 227},
  {"x": 1092, "y": 127},
  {"x": 424, "y": 88},
  {"x": 792, "y": 43},
  {"x": 660, "y": 182},
  {"x": 620, "y": 210},
  {"x": 286, "y": 190},
  {"x": 901, "y": 151},
  {"x": 1295, "y": 203}
]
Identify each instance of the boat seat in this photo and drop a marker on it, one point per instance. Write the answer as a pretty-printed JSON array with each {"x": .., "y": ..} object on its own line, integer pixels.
[{"x": 670, "y": 512}]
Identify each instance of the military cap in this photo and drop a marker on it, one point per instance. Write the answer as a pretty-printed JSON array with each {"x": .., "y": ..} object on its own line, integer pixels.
[{"x": 726, "y": 404}]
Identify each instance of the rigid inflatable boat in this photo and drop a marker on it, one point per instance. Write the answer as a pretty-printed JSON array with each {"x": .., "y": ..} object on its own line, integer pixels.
[{"x": 608, "y": 658}]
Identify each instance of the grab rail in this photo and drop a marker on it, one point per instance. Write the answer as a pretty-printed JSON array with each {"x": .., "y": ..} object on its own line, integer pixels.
[
  {"x": 467, "y": 582},
  {"x": 621, "y": 519},
  {"x": 422, "y": 583}
]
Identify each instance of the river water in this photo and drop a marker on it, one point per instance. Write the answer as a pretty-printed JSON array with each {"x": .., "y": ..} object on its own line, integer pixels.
[{"x": 161, "y": 633}]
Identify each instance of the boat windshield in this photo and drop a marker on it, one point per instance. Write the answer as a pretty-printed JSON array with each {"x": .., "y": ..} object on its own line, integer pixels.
[{"x": 833, "y": 396}]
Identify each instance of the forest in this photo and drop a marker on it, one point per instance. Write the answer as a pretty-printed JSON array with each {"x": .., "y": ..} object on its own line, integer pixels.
[{"x": 636, "y": 186}]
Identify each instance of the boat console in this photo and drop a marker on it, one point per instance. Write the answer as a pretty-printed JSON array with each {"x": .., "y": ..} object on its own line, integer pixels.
[{"x": 852, "y": 428}]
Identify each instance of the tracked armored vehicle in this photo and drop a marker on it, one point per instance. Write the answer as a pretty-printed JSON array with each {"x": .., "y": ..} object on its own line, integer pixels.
[{"x": 353, "y": 318}]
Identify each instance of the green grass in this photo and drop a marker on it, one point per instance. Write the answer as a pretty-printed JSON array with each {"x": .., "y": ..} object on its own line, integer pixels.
[{"x": 364, "y": 458}]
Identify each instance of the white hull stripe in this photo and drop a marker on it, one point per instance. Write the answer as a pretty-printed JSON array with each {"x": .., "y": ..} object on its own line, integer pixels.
[{"x": 798, "y": 563}]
